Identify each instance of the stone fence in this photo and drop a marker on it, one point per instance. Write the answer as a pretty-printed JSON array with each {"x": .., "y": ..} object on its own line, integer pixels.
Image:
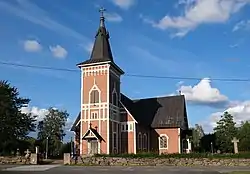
[
  {"x": 118, "y": 161},
  {"x": 31, "y": 159}
]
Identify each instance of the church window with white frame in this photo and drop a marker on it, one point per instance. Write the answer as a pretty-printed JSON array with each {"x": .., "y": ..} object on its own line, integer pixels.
[
  {"x": 94, "y": 115},
  {"x": 163, "y": 141},
  {"x": 94, "y": 96}
]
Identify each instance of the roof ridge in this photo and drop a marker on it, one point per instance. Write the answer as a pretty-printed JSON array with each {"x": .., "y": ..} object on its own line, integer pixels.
[{"x": 170, "y": 96}]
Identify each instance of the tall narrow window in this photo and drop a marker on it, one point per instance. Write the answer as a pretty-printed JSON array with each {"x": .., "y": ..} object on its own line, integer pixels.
[
  {"x": 94, "y": 96},
  {"x": 114, "y": 98},
  {"x": 115, "y": 145},
  {"x": 140, "y": 140},
  {"x": 145, "y": 141}
]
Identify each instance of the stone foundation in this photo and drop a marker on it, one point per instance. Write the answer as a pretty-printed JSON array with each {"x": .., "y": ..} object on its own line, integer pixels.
[{"x": 110, "y": 161}]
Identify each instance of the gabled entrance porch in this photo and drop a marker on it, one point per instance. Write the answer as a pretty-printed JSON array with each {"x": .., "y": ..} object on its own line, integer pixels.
[{"x": 94, "y": 140}]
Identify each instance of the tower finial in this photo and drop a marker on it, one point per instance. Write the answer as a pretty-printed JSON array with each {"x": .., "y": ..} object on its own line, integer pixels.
[{"x": 102, "y": 18}]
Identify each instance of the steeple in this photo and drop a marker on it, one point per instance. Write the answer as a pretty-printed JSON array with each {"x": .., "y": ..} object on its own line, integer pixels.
[{"x": 101, "y": 51}]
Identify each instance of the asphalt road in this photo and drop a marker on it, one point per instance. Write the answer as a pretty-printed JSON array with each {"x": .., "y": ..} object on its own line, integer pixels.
[{"x": 59, "y": 169}]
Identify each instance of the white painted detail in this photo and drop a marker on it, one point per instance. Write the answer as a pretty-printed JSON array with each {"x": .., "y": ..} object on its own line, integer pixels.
[
  {"x": 134, "y": 137},
  {"x": 108, "y": 101},
  {"x": 128, "y": 112},
  {"x": 127, "y": 126},
  {"x": 179, "y": 140},
  {"x": 163, "y": 141},
  {"x": 82, "y": 89}
]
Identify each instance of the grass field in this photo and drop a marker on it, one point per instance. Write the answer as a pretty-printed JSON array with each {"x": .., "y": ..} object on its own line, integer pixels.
[{"x": 240, "y": 172}]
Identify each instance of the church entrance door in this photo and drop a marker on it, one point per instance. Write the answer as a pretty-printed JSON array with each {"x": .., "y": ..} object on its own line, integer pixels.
[{"x": 93, "y": 147}]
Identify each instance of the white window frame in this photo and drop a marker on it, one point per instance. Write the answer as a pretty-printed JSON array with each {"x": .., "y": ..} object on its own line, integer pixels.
[
  {"x": 159, "y": 140},
  {"x": 93, "y": 114},
  {"x": 94, "y": 87},
  {"x": 127, "y": 126}
]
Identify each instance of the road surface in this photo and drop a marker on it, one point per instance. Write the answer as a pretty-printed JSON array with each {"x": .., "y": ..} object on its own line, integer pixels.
[{"x": 60, "y": 169}]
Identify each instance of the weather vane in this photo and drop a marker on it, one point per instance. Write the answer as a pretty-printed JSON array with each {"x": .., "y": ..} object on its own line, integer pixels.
[{"x": 102, "y": 10}]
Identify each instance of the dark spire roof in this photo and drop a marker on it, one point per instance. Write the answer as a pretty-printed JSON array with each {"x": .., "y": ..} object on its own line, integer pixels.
[{"x": 101, "y": 51}]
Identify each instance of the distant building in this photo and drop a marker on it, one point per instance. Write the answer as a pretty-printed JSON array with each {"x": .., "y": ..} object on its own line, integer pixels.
[{"x": 110, "y": 122}]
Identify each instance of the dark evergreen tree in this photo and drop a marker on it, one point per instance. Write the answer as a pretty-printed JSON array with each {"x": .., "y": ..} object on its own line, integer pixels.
[
  {"x": 244, "y": 136},
  {"x": 14, "y": 125},
  {"x": 224, "y": 132}
]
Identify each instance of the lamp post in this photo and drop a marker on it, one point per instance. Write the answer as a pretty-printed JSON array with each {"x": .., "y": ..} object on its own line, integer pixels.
[{"x": 47, "y": 147}]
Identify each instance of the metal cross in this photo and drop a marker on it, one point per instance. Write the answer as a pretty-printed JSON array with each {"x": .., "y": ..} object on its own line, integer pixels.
[{"x": 102, "y": 10}]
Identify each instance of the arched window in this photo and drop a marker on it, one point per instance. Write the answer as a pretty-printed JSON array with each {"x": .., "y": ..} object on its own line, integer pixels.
[
  {"x": 145, "y": 141},
  {"x": 140, "y": 140},
  {"x": 94, "y": 96},
  {"x": 114, "y": 98},
  {"x": 163, "y": 142}
]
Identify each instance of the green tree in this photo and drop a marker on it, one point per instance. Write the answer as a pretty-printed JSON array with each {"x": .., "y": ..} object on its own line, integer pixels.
[
  {"x": 197, "y": 134},
  {"x": 51, "y": 130},
  {"x": 224, "y": 132},
  {"x": 244, "y": 136},
  {"x": 14, "y": 125},
  {"x": 208, "y": 142}
]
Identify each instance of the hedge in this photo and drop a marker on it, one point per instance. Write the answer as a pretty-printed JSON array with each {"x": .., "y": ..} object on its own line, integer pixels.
[{"x": 245, "y": 155}]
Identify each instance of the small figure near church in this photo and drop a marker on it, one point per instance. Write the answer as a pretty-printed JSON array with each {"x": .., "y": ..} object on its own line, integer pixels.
[{"x": 111, "y": 122}]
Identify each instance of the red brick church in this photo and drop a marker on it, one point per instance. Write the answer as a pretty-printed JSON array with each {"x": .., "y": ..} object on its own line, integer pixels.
[{"x": 110, "y": 122}]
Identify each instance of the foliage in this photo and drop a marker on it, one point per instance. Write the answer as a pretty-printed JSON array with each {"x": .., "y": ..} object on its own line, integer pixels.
[
  {"x": 184, "y": 155},
  {"x": 66, "y": 148},
  {"x": 197, "y": 134},
  {"x": 51, "y": 130},
  {"x": 244, "y": 136},
  {"x": 14, "y": 125},
  {"x": 208, "y": 142},
  {"x": 225, "y": 131}
]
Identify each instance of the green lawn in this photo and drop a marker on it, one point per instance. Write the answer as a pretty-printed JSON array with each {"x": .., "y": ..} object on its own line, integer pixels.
[{"x": 240, "y": 172}]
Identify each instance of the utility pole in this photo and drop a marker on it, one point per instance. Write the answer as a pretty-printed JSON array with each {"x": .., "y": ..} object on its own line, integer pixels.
[{"x": 47, "y": 147}]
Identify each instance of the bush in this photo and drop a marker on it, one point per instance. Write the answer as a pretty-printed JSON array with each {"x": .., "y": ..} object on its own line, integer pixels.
[{"x": 245, "y": 155}]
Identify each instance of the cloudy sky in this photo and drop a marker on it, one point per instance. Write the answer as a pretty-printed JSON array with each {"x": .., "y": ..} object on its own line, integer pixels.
[{"x": 203, "y": 40}]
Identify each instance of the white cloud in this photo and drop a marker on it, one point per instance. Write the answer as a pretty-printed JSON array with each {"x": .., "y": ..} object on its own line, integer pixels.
[
  {"x": 198, "y": 12},
  {"x": 124, "y": 4},
  {"x": 29, "y": 11},
  {"x": 35, "y": 111},
  {"x": 240, "y": 112},
  {"x": 113, "y": 17},
  {"x": 203, "y": 93},
  {"x": 40, "y": 113},
  {"x": 32, "y": 46},
  {"x": 58, "y": 51},
  {"x": 242, "y": 25}
]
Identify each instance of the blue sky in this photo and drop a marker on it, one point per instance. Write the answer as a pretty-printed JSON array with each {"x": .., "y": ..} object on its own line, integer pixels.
[{"x": 205, "y": 39}]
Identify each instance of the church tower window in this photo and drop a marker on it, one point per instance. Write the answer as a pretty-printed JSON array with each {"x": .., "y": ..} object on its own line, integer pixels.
[
  {"x": 94, "y": 96},
  {"x": 114, "y": 98}
]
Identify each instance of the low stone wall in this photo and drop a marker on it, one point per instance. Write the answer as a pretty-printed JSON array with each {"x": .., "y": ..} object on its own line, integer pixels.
[
  {"x": 33, "y": 159},
  {"x": 110, "y": 161},
  {"x": 12, "y": 160}
]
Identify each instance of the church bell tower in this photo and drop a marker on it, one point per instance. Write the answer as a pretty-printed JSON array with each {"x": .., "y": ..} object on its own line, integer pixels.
[{"x": 100, "y": 95}]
